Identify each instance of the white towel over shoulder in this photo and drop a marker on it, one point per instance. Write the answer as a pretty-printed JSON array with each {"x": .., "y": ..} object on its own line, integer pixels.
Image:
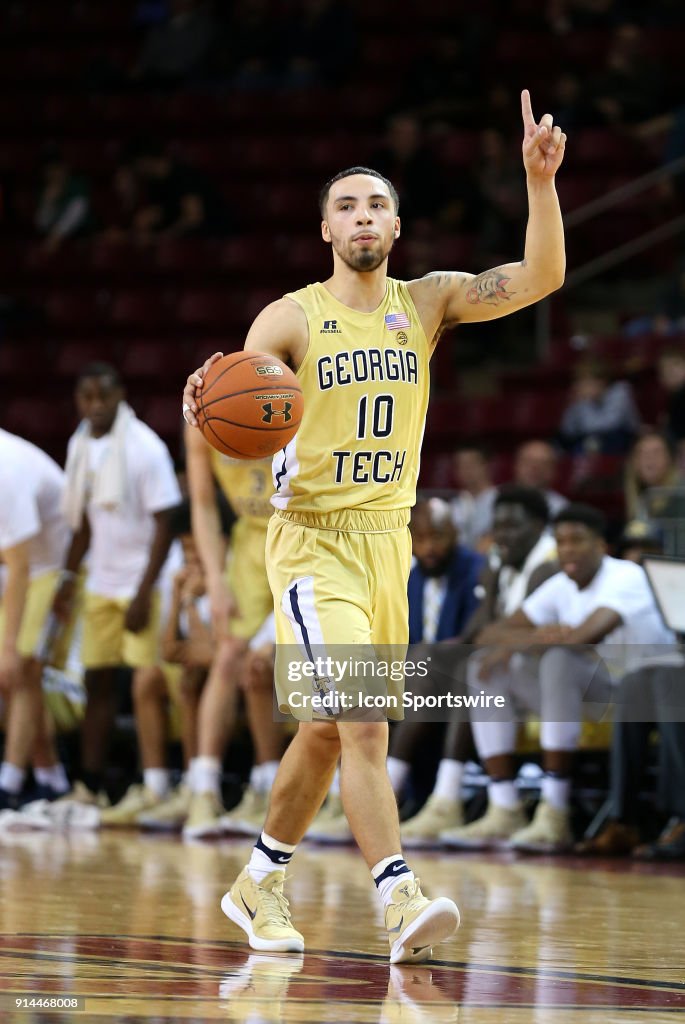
[{"x": 109, "y": 485}]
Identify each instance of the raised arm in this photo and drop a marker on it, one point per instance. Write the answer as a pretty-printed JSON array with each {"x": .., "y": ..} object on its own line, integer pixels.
[{"x": 447, "y": 298}]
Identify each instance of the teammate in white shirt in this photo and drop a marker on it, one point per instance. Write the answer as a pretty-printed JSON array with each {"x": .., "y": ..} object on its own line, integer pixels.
[
  {"x": 595, "y": 608},
  {"x": 120, "y": 490},
  {"x": 33, "y": 539}
]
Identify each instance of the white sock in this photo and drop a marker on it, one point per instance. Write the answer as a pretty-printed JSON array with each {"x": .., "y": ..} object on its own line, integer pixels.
[
  {"x": 268, "y": 855},
  {"x": 190, "y": 773},
  {"x": 268, "y": 772},
  {"x": 387, "y": 873},
  {"x": 556, "y": 792},
  {"x": 398, "y": 772},
  {"x": 335, "y": 784},
  {"x": 11, "y": 777},
  {"x": 55, "y": 777},
  {"x": 156, "y": 780},
  {"x": 503, "y": 794},
  {"x": 206, "y": 775},
  {"x": 255, "y": 779},
  {"x": 448, "y": 780}
]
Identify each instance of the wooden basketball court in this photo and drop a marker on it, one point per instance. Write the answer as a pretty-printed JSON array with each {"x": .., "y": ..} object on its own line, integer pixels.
[{"x": 131, "y": 927}]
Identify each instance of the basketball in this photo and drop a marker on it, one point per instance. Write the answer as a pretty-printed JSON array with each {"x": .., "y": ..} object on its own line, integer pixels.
[{"x": 250, "y": 405}]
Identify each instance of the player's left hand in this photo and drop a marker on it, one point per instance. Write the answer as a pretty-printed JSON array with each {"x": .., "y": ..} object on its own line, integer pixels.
[
  {"x": 194, "y": 382},
  {"x": 543, "y": 143}
]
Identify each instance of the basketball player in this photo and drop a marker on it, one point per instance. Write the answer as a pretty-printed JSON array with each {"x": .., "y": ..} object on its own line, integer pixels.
[
  {"x": 338, "y": 548},
  {"x": 34, "y": 536},
  {"x": 239, "y": 607}
]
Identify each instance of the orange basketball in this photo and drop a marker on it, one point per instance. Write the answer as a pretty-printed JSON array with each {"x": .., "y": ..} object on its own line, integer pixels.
[{"x": 250, "y": 405}]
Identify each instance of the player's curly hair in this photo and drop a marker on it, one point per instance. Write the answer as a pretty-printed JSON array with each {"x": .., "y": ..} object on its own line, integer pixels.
[{"x": 323, "y": 194}]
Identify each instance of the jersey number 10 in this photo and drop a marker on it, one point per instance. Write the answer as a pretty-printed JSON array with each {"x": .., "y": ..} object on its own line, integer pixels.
[{"x": 381, "y": 416}]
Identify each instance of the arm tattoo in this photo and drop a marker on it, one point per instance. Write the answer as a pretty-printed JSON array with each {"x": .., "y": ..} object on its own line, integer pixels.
[{"x": 489, "y": 288}]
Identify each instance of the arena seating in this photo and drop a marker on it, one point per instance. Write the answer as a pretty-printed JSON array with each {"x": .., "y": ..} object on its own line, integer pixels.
[{"x": 156, "y": 310}]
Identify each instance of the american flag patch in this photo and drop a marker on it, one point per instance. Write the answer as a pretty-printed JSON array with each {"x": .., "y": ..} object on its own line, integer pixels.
[{"x": 394, "y": 321}]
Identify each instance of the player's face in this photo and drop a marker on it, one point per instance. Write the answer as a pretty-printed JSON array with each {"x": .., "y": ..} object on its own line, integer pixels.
[
  {"x": 514, "y": 533},
  {"x": 361, "y": 223},
  {"x": 580, "y": 552},
  {"x": 97, "y": 400}
]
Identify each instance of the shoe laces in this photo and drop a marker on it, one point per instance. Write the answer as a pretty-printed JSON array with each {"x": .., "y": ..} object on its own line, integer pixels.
[{"x": 275, "y": 904}]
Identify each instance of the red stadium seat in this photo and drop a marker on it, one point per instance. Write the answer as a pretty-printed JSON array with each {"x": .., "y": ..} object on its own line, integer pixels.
[
  {"x": 143, "y": 307},
  {"x": 74, "y": 355},
  {"x": 207, "y": 308}
]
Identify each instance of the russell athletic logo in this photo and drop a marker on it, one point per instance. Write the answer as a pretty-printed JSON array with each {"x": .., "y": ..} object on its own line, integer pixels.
[{"x": 330, "y": 327}]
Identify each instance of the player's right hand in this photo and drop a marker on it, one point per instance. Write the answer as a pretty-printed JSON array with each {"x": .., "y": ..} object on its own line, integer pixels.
[{"x": 193, "y": 384}]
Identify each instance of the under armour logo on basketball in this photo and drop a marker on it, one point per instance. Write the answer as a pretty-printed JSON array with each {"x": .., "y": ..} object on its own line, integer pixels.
[{"x": 270, "y": 412}]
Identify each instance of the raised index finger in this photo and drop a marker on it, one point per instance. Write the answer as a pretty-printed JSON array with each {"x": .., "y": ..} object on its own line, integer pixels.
[{"x": 527, "y": 110}]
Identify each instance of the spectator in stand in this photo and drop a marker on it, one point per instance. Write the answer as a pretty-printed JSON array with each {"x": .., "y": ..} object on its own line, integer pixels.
[
  {"x": 602, "y": 415},
  {"x": 473, "y": 506},
  {"x": 320, "y": 43},
  {"x": 527, "y": 557},
  {"x": 535, "y": 465},
  {"x": 629, "y": 88},
  {"x": 672, "y": 377},
  {"x": 647, "y": 699},
  {"x": 247, "y": 47},
  {"x": 120, "y": 489},
  {"x": 176, "y": 48},
  {"x": 406, "y": 160},
  {"x": 177, "y": 200},
  {"x": 63, "y": 208},
  {"x": 596, "y": 607},
  {"x": 652, "y": 464}
]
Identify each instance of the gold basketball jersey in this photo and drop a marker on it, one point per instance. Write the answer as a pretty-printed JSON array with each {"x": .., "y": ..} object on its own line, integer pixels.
[
  {"x": 365, "y": 383},
  {"x": 247, "y": 485}
]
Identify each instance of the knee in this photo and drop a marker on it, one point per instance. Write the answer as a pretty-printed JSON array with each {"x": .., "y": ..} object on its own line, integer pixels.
[
  {"x": 323, "y": 735},
  {"x": 148, "y": 683},
  {"x": 257, "y": 672},
  {"x": 368, "y": 739},
  {"x": 228, "y": 658}
]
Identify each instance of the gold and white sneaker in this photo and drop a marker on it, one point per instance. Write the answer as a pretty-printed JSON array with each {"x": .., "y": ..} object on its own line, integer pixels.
[
  {"x": 255, "y": 991},
  {"x": 261, "y": 910},
  {"x": 204, "y": 816},
  {"x": 135, "y": 801},
  {"x": 491, "y": 832},
  {"x": 169, "y": 815},
  {"x": 436, "y": 816},
  {"x": 415, "y": 924},
  {"x": 548, "y": 832},
  {"x": 247, "y": 818}
]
